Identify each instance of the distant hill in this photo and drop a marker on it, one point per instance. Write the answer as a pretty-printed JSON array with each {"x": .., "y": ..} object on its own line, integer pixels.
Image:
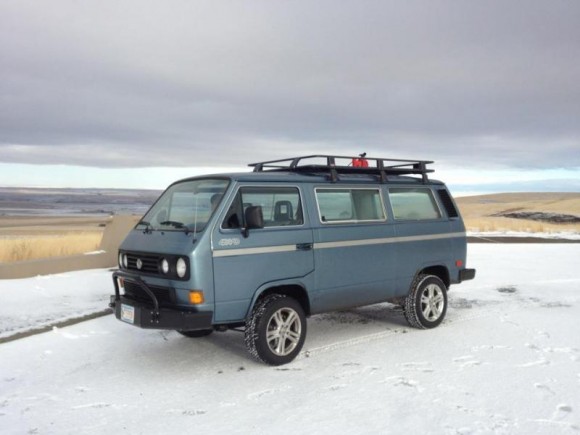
[{"x": 71, "y": 202}]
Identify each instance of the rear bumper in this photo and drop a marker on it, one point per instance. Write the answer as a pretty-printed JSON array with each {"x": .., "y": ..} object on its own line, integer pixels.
[
  {"x": 151, "y": 315},
  {"x": 466, "y": 274}
]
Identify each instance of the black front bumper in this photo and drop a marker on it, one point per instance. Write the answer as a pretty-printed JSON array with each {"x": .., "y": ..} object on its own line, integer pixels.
[
  {"x": 466, "y": 274},
  {"x": 151, "y": 315}
]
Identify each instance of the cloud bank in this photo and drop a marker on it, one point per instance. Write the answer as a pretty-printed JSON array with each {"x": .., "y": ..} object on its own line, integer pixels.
[{"x": 178, "y": 83}]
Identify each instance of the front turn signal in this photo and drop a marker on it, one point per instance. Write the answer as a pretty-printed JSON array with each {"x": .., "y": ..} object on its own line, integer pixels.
[{"x": 196, "y": 297}]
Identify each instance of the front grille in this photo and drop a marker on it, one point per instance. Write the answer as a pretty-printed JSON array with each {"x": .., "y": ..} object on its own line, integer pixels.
[
  {"x": 165, "y": 295},
  {"x": 149, "y": 263}
]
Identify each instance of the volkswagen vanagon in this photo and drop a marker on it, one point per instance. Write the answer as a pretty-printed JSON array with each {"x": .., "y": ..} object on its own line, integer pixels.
[{"x": 262, "y": 251}]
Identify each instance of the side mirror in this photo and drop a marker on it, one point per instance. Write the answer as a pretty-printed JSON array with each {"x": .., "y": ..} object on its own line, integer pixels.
[{"x": 254, "y": 219}]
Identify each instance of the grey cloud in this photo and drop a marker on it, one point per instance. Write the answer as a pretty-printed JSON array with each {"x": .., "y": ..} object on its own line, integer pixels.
[{"x": 202, "y": 83}]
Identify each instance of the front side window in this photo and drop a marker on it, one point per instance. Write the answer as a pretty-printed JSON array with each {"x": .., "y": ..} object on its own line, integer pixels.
[
  {"x": 186, "y": 206},
  {"x": 413, "y": 204},
  {"x": 350, "y": 205},
  {"x": 280, "y": 206}
]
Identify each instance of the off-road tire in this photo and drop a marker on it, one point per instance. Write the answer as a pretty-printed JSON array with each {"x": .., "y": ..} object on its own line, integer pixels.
[
  {"x": 276, "y": 330},
  {"x": 197, "y": 334},
  {"x": 426, "y": 305}
]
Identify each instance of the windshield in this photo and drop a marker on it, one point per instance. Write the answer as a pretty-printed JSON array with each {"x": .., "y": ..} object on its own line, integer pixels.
[{"x": 186, "y": 206}]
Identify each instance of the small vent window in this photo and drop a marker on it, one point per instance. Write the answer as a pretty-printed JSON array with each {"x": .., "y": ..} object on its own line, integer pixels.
[{"x": 448, "y": 203}]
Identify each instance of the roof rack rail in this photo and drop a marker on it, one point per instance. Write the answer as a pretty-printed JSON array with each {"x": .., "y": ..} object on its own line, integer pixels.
[{"x": 335, "y": 165}]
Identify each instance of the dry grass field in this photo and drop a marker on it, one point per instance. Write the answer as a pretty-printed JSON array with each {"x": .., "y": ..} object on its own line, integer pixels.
[
  {"x": 30, "y": 238},
  {"x": 478, "y": 211},
  {"x": 33, "y": 248}
]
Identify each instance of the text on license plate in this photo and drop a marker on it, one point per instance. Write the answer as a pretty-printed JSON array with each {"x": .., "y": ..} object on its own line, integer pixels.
[{"x": 127, "y": 313}]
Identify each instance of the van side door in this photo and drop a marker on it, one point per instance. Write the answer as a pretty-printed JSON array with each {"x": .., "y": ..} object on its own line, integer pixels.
[
  {"x": 279, "y": 253},
  {"x": 354, "y": 257}
]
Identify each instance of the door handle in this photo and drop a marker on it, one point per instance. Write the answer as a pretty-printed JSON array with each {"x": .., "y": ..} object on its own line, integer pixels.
[{"x": 304, "y": 246}]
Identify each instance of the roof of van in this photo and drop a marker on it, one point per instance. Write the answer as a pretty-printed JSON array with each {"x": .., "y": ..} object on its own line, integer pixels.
[{"x": 321, "y": 178}]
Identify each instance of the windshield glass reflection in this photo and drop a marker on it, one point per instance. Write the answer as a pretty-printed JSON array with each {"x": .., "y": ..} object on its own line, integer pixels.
[{"x": 186, "y": 206}]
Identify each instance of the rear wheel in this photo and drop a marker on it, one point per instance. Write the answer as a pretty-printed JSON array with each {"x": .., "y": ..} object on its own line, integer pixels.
[
  {"x": 276, "y": 330},
  {"x": 197, "y": 334},
  {"x": 426, "y": 305}
]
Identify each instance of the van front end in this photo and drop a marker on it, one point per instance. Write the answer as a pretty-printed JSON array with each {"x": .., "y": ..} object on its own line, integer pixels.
[
  {"x": 165, "y": 276},
  {"x": 151, "y": 306}
]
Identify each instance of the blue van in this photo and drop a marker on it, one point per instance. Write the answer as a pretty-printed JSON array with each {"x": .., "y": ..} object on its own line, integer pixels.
[{"x": 263, "y": 250}]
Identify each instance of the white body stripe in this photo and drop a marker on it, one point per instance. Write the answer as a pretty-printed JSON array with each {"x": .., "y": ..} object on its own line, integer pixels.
[
  {"x": 339, "y": 244},
  {"x": 250, "y": 251},
  {"x": 385, "y": 240}
]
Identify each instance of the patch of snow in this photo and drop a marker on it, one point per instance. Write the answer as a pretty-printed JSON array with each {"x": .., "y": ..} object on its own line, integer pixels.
[
  {"x": 569, "y": 235},
  {"x": 33, "y": 303},
  {"x": 95, "y": 252},
  {"x": 502, "y": 362}
]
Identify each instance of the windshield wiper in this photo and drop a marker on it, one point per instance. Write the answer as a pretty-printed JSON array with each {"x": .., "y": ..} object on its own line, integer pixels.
[
  {"x": 178, "y": 225},
  {"x": 148, "y": 227}
]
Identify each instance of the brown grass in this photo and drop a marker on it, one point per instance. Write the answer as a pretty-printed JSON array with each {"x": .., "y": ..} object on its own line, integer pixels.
[
  {"x": 477, "y": 211},
  {"x": 520, "y": 225},
  {"x": 48, "y": 246}
]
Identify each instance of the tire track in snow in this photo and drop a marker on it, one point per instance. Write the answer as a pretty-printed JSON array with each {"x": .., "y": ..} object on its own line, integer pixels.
[
  {"x": 481, "y": 312},
  {"x": 350, "y": 342}
]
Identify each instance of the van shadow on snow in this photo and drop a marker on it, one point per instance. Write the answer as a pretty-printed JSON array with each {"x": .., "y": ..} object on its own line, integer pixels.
[{"x": 384, "y": 313}]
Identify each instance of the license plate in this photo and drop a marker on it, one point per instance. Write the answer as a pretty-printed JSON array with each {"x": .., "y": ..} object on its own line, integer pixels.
[{"x": 127, "y": 313}]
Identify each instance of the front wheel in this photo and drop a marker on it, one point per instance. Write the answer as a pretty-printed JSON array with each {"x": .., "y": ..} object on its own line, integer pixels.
[
  {"x": 426, "y": 304},
  {"x": 276, "y": 330}
]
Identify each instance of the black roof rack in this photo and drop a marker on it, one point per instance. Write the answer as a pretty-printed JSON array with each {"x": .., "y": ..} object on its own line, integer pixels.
[{"x": 335, "y": 165}]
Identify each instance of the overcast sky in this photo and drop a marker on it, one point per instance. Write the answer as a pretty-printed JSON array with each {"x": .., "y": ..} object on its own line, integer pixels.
[{"x": 89, "y": 88}]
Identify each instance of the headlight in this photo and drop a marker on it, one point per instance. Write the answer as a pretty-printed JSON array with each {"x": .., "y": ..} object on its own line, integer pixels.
[
  {"x": 165, "y": 266},
  {"x": 122, "y": 260},
  {"x": 181, "y": 268}
]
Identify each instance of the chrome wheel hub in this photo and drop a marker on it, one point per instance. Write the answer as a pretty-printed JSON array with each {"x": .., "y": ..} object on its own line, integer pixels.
[
  {"x": 432, "y": 302},
  {"x": 284, "y": 331}
]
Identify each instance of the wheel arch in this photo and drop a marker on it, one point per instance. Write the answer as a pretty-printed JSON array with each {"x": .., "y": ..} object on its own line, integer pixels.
[
  {"x": 293, "y": 290},
  {"x": 439, "y": 271}
]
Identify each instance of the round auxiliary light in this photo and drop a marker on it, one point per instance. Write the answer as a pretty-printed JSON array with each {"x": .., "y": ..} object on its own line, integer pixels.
[
  {"x": 165, "y": 266},
  {"x": 181, "y": 268},
  {"x": 122, "y": 260}
]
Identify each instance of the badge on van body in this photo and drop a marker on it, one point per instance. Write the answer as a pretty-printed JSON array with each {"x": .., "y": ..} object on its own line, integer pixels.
[{"x": 229, "y": 242}]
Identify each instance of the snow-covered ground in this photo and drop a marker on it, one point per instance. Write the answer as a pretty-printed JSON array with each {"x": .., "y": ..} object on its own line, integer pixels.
[
  {"x": 29, "y": 304},
  {"x": 506, "y": 360},
  {"x": 565, "y": 235}
]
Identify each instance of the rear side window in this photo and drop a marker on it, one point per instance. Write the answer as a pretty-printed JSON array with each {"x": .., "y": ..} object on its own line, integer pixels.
[
  {"x": 350, "y": 205},
  {"x": 448, "y": 203},
  {"x": 412, "y": 204},
  {"x": 280, "y": 206}
]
